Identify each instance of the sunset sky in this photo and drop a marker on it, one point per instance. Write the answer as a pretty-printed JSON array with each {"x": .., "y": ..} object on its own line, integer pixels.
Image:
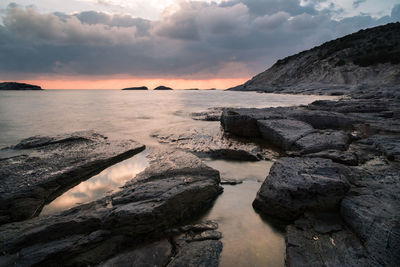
[{"x": 111, "y": 44}]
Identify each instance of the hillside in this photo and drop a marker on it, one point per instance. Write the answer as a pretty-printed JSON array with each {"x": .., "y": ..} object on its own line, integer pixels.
[{"x": 366, "y": 59}]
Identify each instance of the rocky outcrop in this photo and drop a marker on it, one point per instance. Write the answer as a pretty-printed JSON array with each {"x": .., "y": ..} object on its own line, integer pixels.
[
  {"x": 322, "y": 239},
  {"x": 176, "y": 187},
  {"x": 296, "y": 185},
  {"x": 210, "y": 141},
  {"x": 366, "y": 60},
  {"x": 338, "y": 215},
  {"x": 47, "y": 166},
  {"x": 162, "y": 87},
  {"x": 18, "y": 86},
  {"x": 136, "y": 88}
]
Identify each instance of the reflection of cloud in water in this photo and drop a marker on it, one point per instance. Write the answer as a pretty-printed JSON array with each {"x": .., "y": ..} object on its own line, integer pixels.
[{"x": 98, "y": 186}]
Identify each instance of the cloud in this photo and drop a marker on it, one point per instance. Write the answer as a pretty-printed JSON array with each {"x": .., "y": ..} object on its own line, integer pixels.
[
  {"x": 396, "y": 13},
  {"x": 28, "y": 24},
  {"x": 357, "y": 3},
  {"x": 198, "y": 40}
]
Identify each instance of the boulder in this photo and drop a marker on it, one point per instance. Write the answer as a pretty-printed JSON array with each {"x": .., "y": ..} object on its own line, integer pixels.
[
  {"x": 238, "y": 124},
  {"x": 48, "y": 166},
  {"x": 296, "y": 185}
]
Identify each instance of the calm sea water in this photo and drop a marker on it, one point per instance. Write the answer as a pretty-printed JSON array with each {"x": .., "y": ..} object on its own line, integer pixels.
[{"x": 248, "y": 239}]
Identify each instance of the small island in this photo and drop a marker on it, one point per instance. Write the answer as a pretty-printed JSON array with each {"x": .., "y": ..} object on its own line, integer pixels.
[
  {"x": 161, "y": 87},
  {"x": 136, "y": 88},
  {"x": 18, "y": 86}
]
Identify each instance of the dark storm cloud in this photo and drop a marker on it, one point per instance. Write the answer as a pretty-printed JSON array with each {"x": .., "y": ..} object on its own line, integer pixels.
[{"x": 200, "y": 40}]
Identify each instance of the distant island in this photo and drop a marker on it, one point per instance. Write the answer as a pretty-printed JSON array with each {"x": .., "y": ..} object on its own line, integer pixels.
[
  {"x": 161, "y": 87},
  {"x": 18, "y": 86},
  {"x": 136, "y": 88}
]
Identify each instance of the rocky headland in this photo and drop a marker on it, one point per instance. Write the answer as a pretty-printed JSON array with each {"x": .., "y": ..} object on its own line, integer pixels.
[
  {"x": 364, "y": 62},
  {"x": 18, "y": 86}
]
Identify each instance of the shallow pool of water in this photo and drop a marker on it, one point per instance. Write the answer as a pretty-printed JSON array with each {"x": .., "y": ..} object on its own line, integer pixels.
[
  {"x": 248, "y": 240},
  {"x": 98, "y": 186}
]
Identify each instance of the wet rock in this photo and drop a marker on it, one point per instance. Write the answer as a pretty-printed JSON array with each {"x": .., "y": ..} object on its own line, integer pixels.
[
  {"x": 239, "y": 124},
  {"x": 350, "y": 106},
  {"x": 324, "y": 119},
  {"x": 372, "y": 210},
  {"x": 175, "y": 187},
  {"x": 323, "y": 140},
  {"x": 230, "y": 181},
  {"x": 296, "y": 185},
  {"x": 205, "y": 254},
  {"x": 154, "y": 254},
  {"x": 389, "y": 146},
  {"x": 49, "y": 166},
  {"x": 209, "y": 140},
  {"x": 284, "y": 132},
  {"x": 212, "y": 114},
  {"x": 323, "y": 240},
  {"x": 203, "y": 226},
  {"x": 343, "y": 157}
]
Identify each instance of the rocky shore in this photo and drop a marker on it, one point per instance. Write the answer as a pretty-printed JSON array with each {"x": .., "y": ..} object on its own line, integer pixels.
[
  {"x": 144, "y": 223},
  {"x": 336, "y": 184}
]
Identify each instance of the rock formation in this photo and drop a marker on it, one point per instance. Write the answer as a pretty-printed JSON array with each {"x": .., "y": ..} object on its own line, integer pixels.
[
  {"x": 136, "y": 88},
  {"x": 18, "y": 86},
  {"x": 365, "y": 60},
  {"x": 161, "y": 87}
]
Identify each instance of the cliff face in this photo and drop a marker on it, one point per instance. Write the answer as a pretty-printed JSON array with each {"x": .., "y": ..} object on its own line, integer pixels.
[{"x": 369, "y": 58}]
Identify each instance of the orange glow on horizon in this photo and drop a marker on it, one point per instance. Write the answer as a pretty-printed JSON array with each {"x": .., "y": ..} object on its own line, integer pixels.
[{"x": 119, "y": 83}]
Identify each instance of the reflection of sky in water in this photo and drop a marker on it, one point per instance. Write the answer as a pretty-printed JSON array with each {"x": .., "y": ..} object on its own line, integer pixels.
[
  {"x": 98, "y": 186},
  {"x": 115, "y": 113},
  {"x": 247, "y": 239}
]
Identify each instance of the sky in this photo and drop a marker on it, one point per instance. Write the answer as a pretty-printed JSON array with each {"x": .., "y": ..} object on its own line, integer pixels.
[{"x": 111, "y": 44}]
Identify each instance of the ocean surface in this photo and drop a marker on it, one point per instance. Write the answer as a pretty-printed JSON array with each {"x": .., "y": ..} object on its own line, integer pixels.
[{"x": 248, "y": 239}]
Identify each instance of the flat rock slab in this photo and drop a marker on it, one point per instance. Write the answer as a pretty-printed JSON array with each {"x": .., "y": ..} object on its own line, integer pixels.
[
  {"x": 284, "y": 132},
  {"x": 296, "y": 185},
  {"x": 343, "y": 157},
  {"x": 176, "y": 186},
  {"x": 372, "y": 210},
  {"x": 323, "y": 140},
  {"x": 323, "y": 240},
  {"x": 48, "y": 166}
]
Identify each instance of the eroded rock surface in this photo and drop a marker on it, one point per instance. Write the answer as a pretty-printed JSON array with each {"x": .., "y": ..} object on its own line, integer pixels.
[
  {"x": 360, "y": 133},
  {"x": 176, "y": 186},
  {"x": 48, "y": 166},
  {"x": 296, "y": 185},
  {"x": 210, "y": 141}
]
